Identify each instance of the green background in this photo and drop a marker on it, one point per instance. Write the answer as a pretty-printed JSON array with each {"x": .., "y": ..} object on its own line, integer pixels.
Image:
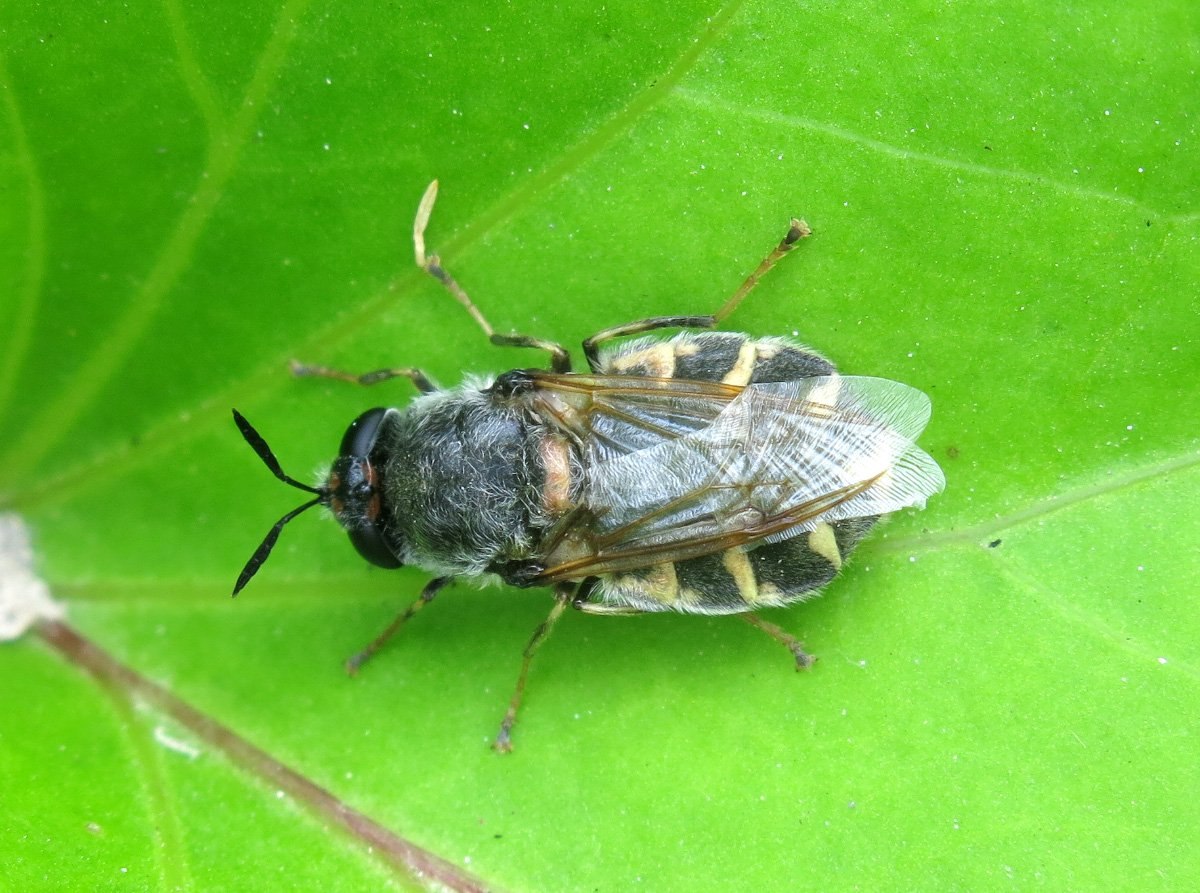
[{"x": 1004, "y": 197}]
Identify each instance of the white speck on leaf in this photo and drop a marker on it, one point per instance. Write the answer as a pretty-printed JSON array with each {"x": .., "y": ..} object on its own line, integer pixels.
[
  {"x": 170, "y": 742},
  {"x": 24, "y": 597}
]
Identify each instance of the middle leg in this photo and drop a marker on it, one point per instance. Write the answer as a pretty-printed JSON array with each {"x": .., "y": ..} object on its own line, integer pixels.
[
  {"x": 560, "y": 359},
  {"x": 562, "y": 597}
]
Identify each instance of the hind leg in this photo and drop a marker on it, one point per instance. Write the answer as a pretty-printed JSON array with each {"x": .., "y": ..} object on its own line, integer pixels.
[{"x": 591, "y": 347}]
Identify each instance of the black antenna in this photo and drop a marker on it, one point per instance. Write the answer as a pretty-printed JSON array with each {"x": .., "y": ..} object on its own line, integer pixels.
[{"x": 268, "y": 458}]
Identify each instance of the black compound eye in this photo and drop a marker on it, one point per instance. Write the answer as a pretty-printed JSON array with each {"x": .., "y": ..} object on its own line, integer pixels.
[
  {"x": 356, "y": 492},
  {"x": 360, "y": 437},
  {"x": 370, "y": 545}
]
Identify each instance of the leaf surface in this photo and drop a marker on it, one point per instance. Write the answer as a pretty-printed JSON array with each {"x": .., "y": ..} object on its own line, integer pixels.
[{"x": 1005, "y": 209}]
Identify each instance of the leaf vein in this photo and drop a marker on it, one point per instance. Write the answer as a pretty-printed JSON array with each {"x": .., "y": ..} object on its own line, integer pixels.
[
  {"x": 58, "y": 417},
  {"x": 193, "y": 75},
  {"x": 30, "y": 293},
  {"x": 799, "y": 122}
]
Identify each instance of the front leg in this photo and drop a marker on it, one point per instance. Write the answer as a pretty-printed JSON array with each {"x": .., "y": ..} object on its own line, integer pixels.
[{"x": 416, "y": 376}]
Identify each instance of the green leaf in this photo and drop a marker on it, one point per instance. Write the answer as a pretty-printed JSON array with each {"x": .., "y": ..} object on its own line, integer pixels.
[{"x": 1004, "y": 202}]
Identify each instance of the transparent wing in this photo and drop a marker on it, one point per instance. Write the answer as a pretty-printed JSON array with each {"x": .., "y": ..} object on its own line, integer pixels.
[
  {"x": 615, "y": 415},
  {"x": 777, "y": 460}
]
